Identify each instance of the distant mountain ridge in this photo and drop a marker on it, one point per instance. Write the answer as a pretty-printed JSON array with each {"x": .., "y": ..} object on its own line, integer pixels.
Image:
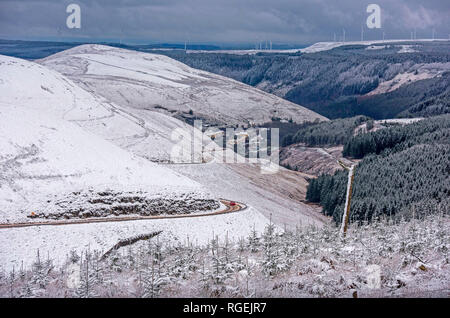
[{"x": 380, "y": 80}]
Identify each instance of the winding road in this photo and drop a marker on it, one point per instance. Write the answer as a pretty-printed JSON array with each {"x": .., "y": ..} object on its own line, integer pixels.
[{"x": 229, "y": 209}]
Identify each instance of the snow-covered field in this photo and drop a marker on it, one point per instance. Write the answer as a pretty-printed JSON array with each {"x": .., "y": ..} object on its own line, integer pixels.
[{"x": 142, "y": 83}]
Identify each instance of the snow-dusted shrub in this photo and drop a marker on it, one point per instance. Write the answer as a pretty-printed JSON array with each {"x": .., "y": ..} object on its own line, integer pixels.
[{"x": 374, "y": 260}]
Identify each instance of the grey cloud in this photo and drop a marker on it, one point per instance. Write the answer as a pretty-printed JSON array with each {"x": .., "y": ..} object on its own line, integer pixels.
[{"x": 239, "y": 21}]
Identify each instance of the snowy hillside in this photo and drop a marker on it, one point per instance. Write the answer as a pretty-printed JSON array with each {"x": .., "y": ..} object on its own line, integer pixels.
[
  {"x": 145, "y": 82},
  {"x": 51, "y": 167},
  {"x": 147, "y": 134},
  {"x": 277, "y": 196},
  {"x": 66, "y": 152}
]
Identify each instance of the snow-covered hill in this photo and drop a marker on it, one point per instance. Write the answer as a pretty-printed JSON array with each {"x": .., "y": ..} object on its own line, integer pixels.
[
  {"x": 147, "y": 133},
  {"x": 145, "y": 82},
  {"x": 50, "y": 166}
]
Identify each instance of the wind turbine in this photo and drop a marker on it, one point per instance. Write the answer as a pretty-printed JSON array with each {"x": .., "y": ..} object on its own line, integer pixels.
[
  {"x": 362, "y": 33},
  {"x": 343, "y": 35},
  {"x": 186, "y": 40},
  {"x": 121, "y": 35}
]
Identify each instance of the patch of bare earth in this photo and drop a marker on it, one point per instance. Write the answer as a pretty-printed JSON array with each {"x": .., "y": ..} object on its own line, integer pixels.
[
  {"x": 311, "y": 161},
  {"x": 288, "y": 184}
]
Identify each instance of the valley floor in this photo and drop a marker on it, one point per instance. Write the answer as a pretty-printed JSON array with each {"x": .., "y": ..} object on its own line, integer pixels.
[{"x": 277, "y": 196}]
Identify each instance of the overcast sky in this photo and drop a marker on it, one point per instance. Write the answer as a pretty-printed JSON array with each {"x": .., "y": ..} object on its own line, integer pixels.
[{"x": 221, "y": 21}]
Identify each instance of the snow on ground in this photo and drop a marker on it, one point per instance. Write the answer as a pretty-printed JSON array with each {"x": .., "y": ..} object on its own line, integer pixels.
[
  {"x": 407, "y": 49},
  {"x": 403, "y": 121},
  {"x": 323, "y": 46},
  {"x": 47, "y": 161},
  {"x": 146, "y": 82},
  {"x": 51, "y": 160},
  {"x": 375, "y": 47},
  {"x": 417, "y": 72},
  {"x": 61, "y": 142},
  {"x": 399, "y": 80},
  {"x": 21, "y": 244},
  {"x": 403, "y": 48},
  {"x": 276, "y": 196},
  {"x": 380, "y": 124},
  {"x": 146, "y": 133},
  {"x": 382, "y": 259}
]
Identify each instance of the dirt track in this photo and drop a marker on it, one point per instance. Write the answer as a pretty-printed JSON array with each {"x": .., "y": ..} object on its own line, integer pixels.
[{"x": 229, "y": 209}]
